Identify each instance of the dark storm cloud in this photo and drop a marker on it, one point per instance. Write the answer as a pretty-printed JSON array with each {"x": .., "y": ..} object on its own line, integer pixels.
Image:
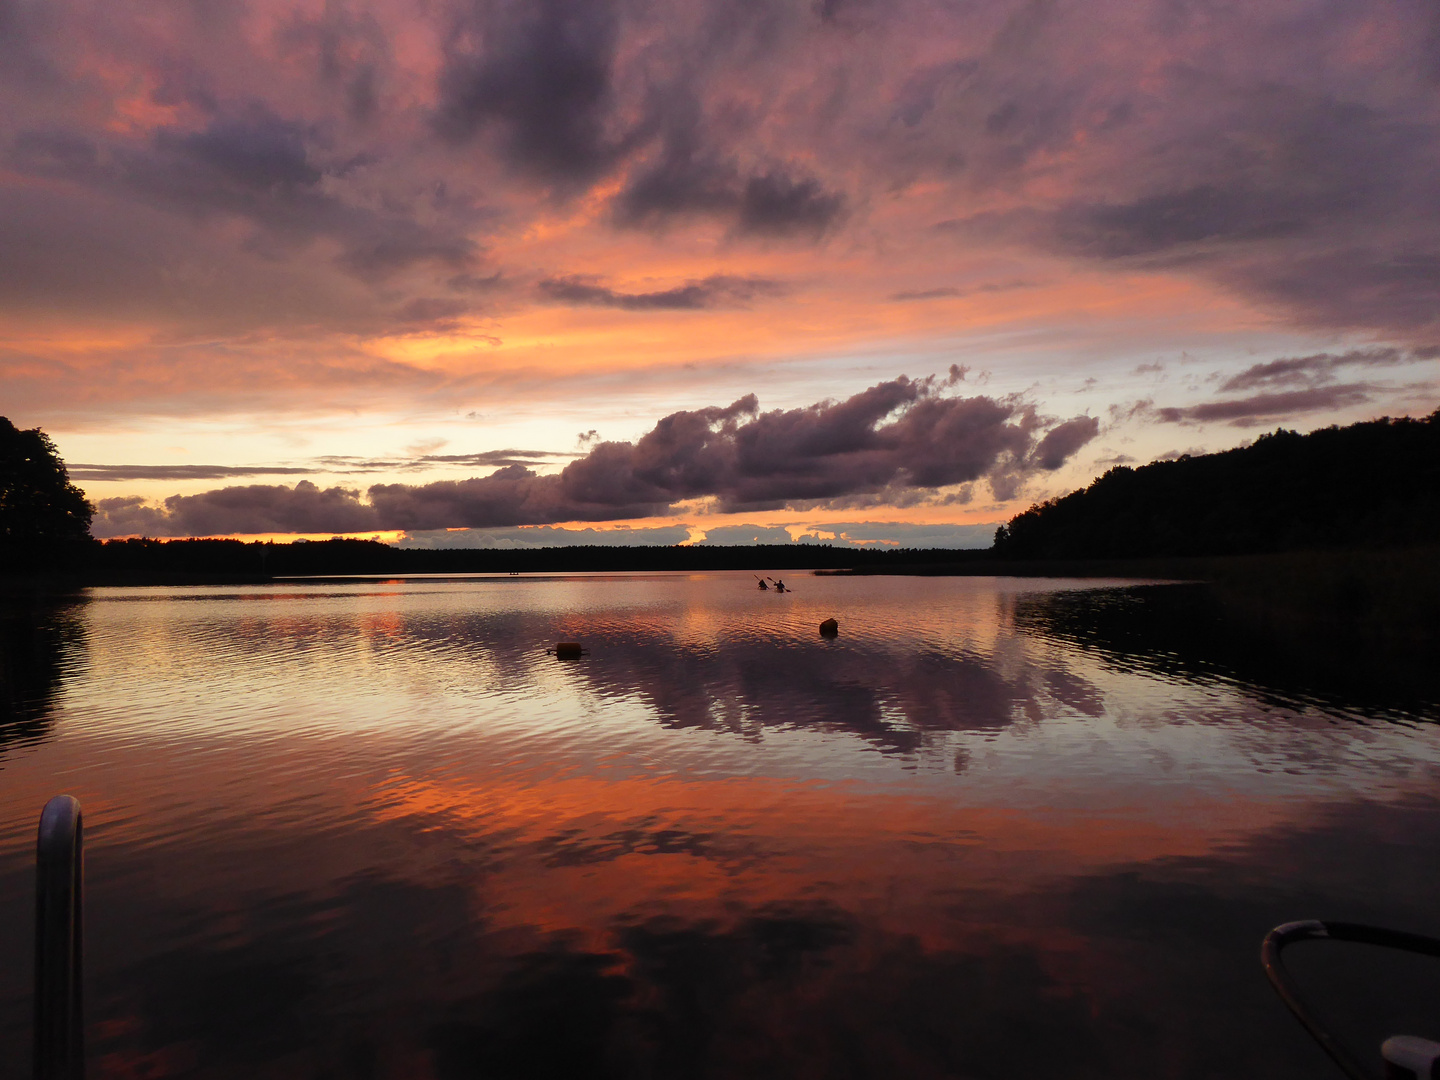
[
  {"x": 1286, "y": 152},
  {"x": 1251, "y": 150},
  {"x": 1257, "y": 407},
  {"x": 894, "y": 437},
  {"x": 678, "y": 185},
  {"x": 690, "y": 156},
  {"x": 247, "y": 162},
  {"x": 540, "y": 72},
  {"x": 255, "y": 151},
  {"x": 779, "y": 203},
  {"x": 1171, "y": 220},
  {"x": 718, "y": 290}
]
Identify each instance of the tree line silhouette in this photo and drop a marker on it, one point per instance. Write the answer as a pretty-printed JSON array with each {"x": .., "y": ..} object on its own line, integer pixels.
[
  {"x": 1370, "y": 485},
  {"x": 118, "y": 561}
]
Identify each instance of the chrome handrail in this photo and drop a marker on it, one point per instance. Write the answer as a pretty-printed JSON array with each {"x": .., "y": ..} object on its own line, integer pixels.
[{"x": 59, "y": 906}]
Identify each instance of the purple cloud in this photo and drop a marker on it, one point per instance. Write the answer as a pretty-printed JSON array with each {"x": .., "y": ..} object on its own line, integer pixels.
[
  {"x": 332, "y": 463},
  {"x": 1270, "y": 406},
  {"x": 718, "y": 290},
  {"x": 1290, "y": 386},
  {"x": 1062, "y": 441},
  {"x": 1309, "y": 370},
  {"x": 896, "y": 437},
  {"x": 249, "y": 191},
  {"x": 779, "y": 202},
  {"x": 542, "y": 74},
  {"x": 253, "y": 508}
]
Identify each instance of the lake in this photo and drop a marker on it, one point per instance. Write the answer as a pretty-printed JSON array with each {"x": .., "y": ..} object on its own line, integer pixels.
[{"x": 369, "y": 828}]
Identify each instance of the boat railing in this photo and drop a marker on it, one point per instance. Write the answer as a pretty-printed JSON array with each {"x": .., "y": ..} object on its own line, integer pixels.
[
  {"x": 1403, "y": 1057},
  {"x": 59, "y": 907}
]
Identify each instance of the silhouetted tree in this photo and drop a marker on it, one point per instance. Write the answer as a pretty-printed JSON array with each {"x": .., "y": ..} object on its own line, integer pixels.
[
  {"x": 44, "y": 518},
  {"x": 1372, "y": 484}
]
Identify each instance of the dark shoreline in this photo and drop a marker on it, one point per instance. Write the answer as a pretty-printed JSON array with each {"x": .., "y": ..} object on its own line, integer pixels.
[
  {"x": 1419, "y": 565},
  {"x": 1177, "y": 568}
]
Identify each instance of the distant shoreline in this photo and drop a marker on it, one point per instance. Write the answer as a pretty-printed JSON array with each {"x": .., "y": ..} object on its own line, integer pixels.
[
  {"x": 1175, "y": 568},
  {"x": 1414, "y": 563}
]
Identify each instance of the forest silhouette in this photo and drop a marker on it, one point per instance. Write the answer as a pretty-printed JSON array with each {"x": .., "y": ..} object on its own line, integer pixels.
[{"x": 1370, "y": 485}]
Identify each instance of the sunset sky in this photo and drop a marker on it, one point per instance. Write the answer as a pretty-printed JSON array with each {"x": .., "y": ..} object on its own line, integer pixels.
[{"x": 671, "y": 270}]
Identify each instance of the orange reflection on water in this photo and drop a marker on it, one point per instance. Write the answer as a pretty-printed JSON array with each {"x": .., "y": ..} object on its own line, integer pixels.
[{"x": 577, "y": 852}]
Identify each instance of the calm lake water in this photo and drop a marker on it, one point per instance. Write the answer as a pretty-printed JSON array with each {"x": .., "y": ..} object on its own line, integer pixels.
[{"x": 370, "y": 829}]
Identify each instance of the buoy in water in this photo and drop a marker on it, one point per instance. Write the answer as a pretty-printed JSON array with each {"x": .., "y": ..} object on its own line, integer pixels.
[
  {"x": 829, "y": 628},
  {"x": 569, "y": 650}
]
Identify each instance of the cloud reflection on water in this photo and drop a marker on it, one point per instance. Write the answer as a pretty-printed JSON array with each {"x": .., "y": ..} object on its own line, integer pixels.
[
  {"x": 742, "y": 678},
  {"x": 718, "y": 846},
  {"x": 1126, "y": 969}
]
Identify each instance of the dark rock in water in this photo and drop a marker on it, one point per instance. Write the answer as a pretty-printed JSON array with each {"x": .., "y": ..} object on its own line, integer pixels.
[
  {"x": 568, "y": 650},
  {"x": 829, "y": 628}
]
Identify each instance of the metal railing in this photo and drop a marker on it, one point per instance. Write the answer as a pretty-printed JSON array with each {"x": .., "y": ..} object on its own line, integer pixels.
[
  {"x": 59, "y": 906},
  {"x": 1404, "y": 1057}
]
